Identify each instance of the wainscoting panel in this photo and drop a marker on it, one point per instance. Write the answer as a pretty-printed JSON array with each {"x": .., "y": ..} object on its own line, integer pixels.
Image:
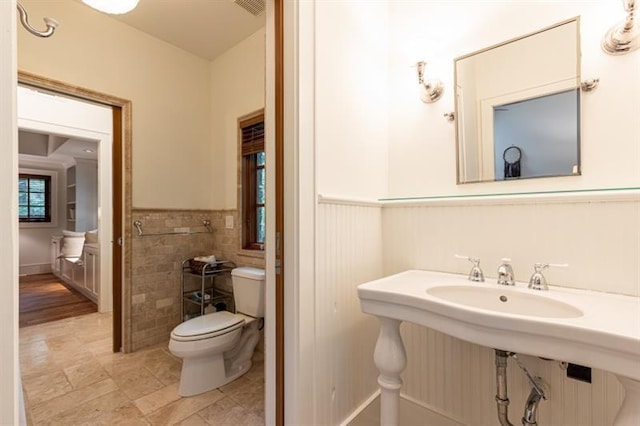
[
  {"x": 349, "y": 247},
  {"x": 457, "y": 379},
  {"x": 599, "y": 240}
]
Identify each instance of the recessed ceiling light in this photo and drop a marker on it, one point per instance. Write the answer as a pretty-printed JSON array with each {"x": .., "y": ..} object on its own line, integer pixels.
[{"x": 88, "y": 150}]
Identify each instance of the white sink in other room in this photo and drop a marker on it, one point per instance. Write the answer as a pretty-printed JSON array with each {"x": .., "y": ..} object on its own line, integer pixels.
[{"x": 595, "y": 329}]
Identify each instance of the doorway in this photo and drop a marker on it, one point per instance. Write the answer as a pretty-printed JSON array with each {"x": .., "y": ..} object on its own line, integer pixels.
[
  {"x": 65, "y": 203},
  {"x": 120, "y": 182}
]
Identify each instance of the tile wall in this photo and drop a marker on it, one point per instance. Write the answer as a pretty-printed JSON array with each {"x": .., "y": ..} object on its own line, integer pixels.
[{"x": 156, "y": 261}]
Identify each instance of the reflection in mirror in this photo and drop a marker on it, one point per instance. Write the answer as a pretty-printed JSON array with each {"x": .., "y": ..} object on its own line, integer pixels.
[
  {"x": 537, "y": 137},
  {"x": 523, "y": 93}
]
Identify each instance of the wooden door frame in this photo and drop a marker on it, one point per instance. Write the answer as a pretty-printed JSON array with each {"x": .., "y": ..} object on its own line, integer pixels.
[
  {"x": 121, "y": 193},
  {"x": 279, "y": 209}
]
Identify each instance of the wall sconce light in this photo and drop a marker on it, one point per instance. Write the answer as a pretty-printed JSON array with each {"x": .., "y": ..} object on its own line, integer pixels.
[
  {"x": 624, "y": 37},
  {"x": 430, "y": 90},
  {"x": 113, "y": 7}
]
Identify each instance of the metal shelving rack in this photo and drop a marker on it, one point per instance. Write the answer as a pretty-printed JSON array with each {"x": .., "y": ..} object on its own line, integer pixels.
[{"x": 207, "y": 288}]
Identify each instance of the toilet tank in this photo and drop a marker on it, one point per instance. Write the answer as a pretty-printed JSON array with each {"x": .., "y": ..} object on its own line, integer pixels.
[{"x": 248, "y": 290}]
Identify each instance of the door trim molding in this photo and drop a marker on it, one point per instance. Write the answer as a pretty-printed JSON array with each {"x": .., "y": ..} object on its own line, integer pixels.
[{"x": 279, "y": 210}]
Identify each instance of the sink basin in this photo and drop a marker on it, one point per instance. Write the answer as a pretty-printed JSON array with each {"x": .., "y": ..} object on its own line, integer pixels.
[{"x": 506, "y": 301}]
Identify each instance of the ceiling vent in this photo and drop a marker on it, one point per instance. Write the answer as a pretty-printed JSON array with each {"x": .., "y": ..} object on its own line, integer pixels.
[{"x": 254, "y": 7}]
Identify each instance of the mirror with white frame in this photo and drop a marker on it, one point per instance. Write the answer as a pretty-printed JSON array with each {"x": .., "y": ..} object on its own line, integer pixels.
[{"x": 518, "y": 107}]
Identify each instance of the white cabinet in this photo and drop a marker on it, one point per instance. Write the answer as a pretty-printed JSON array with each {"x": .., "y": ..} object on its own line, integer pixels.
[
  {"x": 56, "y": 248},
  {"x": 91, "y": 262},
  {"x": 84, "y": 275}
]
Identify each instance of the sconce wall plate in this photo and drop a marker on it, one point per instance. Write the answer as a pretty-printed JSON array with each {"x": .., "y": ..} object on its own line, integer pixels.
[
  {"x": 625, "y": 37},
  {"x": 431, "y": 91}
]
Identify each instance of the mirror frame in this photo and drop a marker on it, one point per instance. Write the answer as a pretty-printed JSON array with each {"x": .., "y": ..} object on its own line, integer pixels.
[{"x": 575, "y": 19}]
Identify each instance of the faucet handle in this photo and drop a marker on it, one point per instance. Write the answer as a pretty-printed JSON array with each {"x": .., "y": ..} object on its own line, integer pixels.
[
  {"x": 537, "y": 280},
  {"x": 476, "y": 273}
]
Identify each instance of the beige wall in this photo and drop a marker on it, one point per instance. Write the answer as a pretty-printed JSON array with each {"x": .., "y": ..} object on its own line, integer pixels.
[
  {"x": 169, "y": 89},
  {"x": 237, "y": 89}
]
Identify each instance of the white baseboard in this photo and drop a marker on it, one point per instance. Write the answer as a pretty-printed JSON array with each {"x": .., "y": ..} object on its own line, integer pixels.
[
  {"x": 358, "y": 411},
  {"x": 35, "y": 269},
  {"x": 412, "y": 412}
]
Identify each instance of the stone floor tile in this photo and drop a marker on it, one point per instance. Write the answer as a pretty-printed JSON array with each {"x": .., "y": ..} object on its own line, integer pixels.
[
  {"x": 183, "y": 408},
  {"x": 158, "y": 399},
  {"x": 237, "y": 385},
  {"x": 235, "y": 415},
  {"x": 250, "y": 397},
  {"x": 86, "y": 373},
  {"x": 136, "y": 382},
  {"x": 98, "y": 411},
  {"x": 71, "y": 377},
  {"x": 70, "y": 401},
  {"x": 194, "y": 420},
  {"x": 256, "y": 372},
  {"x": 163, "y": 366},
  {"x": 101, "y": 347},
  {"x": 43, "y": 387}
]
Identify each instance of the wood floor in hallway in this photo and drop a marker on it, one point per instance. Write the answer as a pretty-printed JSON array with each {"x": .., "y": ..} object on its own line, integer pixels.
[{"x": 45, "y": 298}]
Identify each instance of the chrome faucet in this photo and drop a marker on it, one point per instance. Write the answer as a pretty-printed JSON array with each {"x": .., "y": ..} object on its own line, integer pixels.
[
  {"x": 505, "y": 273},
  {"x": 476, "y": 274},
  {"x": 537, "y": 280}
]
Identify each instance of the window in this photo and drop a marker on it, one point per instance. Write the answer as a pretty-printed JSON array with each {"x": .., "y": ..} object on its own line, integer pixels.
[
  {"x": 34, "y": 198},
  {"x": 253, "y": 182}
]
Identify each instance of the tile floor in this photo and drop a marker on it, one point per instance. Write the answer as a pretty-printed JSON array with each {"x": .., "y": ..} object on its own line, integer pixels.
[{"x": 71, "y": 377}]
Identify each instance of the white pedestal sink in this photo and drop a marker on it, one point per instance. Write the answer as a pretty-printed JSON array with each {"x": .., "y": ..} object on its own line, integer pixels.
[{"x": 594, "y": 329}]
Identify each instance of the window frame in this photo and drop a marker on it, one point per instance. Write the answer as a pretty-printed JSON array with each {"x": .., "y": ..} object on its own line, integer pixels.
[
  {"x": 249, "y": 187},
  {"x": 52, "y": 175}
]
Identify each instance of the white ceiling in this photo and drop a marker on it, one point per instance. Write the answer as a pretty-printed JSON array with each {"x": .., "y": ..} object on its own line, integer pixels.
[
  {"x": 55, "y": 149},
  {"x": 205, "y": 28}
]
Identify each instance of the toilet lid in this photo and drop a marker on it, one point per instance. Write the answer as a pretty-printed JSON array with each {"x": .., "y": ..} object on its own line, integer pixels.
[{"x": 217, "y": 322}]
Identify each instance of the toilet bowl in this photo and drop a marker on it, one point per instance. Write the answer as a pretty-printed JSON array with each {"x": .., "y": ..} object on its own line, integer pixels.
[{"x": 217, "y": 348}]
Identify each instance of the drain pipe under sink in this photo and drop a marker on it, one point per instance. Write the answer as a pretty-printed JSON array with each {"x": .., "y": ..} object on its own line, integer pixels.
[
  {"x": 531, "y": 407},
  {"x": 535, "y": 396},
  {"x": 502, "y": 399}
]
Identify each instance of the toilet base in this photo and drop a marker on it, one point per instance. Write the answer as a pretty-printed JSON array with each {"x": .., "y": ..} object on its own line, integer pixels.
[
  {"x": 211, "y": 371},
  {"x": 201, "y": 375}
]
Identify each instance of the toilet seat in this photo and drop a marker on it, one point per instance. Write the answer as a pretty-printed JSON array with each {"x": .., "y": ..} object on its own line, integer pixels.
[{"x": 207, "y": 326}]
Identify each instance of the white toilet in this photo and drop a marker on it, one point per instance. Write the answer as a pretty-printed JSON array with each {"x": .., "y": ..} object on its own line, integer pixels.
[{"x": 217, "y": 348}]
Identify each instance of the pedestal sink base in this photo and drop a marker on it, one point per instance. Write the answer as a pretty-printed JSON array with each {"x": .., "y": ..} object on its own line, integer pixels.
[
  {"x": 390, "y": 358},
  {"x": 595, "y": 329}
]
